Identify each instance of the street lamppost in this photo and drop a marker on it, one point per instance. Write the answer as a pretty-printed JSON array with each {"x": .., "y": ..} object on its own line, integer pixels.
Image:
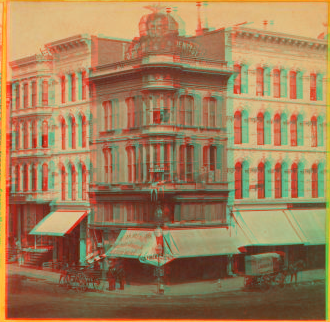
[{"x": 159, "y": 250}]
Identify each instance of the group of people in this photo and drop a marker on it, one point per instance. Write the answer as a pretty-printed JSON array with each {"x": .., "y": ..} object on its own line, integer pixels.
[{"x": 115, "y": 274}]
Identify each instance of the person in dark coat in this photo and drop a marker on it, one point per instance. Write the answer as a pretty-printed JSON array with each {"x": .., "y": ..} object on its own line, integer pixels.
[{"x": 111, "y": 275}]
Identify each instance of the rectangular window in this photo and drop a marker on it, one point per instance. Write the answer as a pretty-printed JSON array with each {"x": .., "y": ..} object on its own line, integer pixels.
[
  {"x": 260, "y": 82},
  {"x": 313, "y": 87},
  {"x": 63, "y": 89},
  {"x": 190, "y": 164},
  {"x": 17, "y": 96},
  {"x": 277, "y": 83},
  {"x": 34, "y": 94},
  {"x": 45, "y": 93},
  {"x": 26, "y": 95},
  {"x": 73, "y": 87},
  {"x": 238, "y": 79},
  {"x": 293, "y": 85}
]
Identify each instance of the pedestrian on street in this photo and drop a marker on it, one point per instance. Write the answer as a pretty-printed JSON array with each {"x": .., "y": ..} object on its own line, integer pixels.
[
  {"x": 111, "y": 275},
  {"x": 18, "y": 251}
]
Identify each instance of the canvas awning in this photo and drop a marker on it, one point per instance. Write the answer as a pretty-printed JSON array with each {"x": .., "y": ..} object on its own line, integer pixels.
[
  {"x": 266, "y": 228},
  {"x": 310, "y": 224},
  {"x": 140, "y": 244},
  {"x": 58, "y": 223},
  {"x": 202, "y": 242}
]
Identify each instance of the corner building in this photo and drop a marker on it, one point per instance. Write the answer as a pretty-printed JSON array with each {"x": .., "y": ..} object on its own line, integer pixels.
[{"x": 156, "y": 163}]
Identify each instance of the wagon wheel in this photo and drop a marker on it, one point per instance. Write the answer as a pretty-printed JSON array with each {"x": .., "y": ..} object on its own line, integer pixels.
[
  {"x": 82, "y": 283},
  {"x": 265, "y": 282},
  {"x": 280, "y": 279}
]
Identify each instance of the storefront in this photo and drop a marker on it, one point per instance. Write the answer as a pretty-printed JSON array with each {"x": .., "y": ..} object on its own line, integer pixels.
[{"x": 67, "y": 229}]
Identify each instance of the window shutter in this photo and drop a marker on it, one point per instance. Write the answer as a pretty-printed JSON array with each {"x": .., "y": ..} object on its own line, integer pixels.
[
  {"x": 300, "y": 130},
  {"x": 267, "y": 82},
  {"x": 284, "y": 130},
  {"x": 300, "y": 89},
  {"x": 246, "y": 180},
  {"x": 268, "y": 181},
  {"x": 219, "y": 166},
  {"x": 320, "y": 131},
  {"x": 245, "y": 127},
  {"x": 300, "y": 181},
  {"x": 267, "y": 128},
  {"x": 245, "y": 79},
  {"x": 319, "y": 87},
  {"x": 285, "y": 181},
  {"x": 284, "y": 81},
  {"x": 320, "y": 180}
]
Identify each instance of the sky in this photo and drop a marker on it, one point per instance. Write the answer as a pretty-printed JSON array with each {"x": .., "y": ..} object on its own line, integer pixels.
[{"x": 32, "y": 24}]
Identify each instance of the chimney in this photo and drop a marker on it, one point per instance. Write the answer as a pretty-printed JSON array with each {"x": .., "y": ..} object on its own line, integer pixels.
[
  {"x": 206, "y": 24},
  {"x": 265, "y": 24},
  {"x": 199, "y": 30}
]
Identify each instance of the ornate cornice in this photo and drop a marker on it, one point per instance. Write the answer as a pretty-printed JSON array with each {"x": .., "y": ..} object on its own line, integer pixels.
[{"x": 277, "y": 38}]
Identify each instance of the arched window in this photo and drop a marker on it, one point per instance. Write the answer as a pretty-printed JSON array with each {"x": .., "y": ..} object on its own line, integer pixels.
[
  {"x": 34, "y": 134},
  {"x": 45, "y": 93},
  {"x": 45, "y": 134},
  {"x": 83, "y": 132},
  {"x": 238, "y": 128},
  {"x": 73, "y": 132},
  {"x": 34, "y": 177},
  {"x": 293, "y": 85},
  {"x": 277, "y": 129},
  {"x": 277, "y": 83},
  {"x": 261, "y": 181},
  {"x": 108, "y": 163},
  {"x": 294, "y": 181},
  {"x": 18, "y": 178},
  {"x": 314, "y": 131},
  {"x": 26, "y": 136},
  {"x": 238, "y": 181},
  {"x": 260, "y": 82},
  {"x": 260, "y": 129},
  {"x": 278, "y": 180},
  {"x": 45, "y": 177},
  {"x": 84, "y": 183},
  {"x": 63, "y": 89},
  {"x": 315, "y": 181},
  {"x": 293, "y": 130},
  {"x": 73, "y": 182},
  {"x": 73, "y": 87},
  {"x": 26, "y": 177},
  {"x": 83, "y": 85},
  {"x": 63, "y": 133},
  {"x": 63, "y": 183},
  {"x": 106, "y": 115},
  {"x": 238, "y": 79},
  {"x": 313, "y": 87},
  {"x": 186, "y": 110}
]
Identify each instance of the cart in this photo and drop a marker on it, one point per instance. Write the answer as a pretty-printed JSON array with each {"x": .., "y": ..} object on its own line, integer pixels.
[{"x": 264, "y": 270}]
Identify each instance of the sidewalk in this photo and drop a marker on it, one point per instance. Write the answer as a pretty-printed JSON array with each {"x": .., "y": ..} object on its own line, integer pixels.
[{"x": 185, "y": 289}]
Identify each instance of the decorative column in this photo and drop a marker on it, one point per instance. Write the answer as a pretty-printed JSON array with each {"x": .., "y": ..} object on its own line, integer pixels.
[
  {"x": 21, "y": 100},
  {"x": 170, "y": 158}
]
